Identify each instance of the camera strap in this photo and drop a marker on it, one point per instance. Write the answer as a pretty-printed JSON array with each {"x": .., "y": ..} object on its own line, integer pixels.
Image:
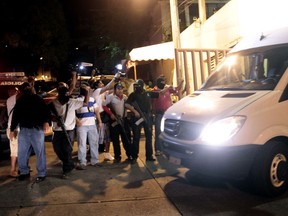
[{"x": 66, "y": 111}]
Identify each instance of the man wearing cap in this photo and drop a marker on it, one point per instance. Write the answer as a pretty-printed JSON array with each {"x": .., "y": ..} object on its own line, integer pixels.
[{"x": 114, "y": 105}]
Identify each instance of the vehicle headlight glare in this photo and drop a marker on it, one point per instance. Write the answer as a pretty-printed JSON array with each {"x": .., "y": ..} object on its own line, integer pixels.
[
  {"x": 222, "y": 130},
  {"x": 162, "y": 124}
]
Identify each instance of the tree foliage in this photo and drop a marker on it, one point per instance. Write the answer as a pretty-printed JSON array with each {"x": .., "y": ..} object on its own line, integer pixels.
[
  {"x": 111, "y": 28},
  {"x": 36, "y": 26},
  {"x": 103, "y": 30}
]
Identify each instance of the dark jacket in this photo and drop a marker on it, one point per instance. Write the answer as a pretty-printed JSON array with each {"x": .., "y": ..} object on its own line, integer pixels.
[{"x": 30, "y": 111}]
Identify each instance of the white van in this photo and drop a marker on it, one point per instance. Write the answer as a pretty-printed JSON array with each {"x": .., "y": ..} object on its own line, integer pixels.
[{"x": 236, "y": 124}]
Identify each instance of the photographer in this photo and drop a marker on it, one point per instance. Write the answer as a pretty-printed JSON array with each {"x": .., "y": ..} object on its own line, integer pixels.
[{"x": 99, "y": 94}]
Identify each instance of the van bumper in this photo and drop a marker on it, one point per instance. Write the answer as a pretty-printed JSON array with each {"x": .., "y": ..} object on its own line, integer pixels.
[{"x": 233, "y": 162}]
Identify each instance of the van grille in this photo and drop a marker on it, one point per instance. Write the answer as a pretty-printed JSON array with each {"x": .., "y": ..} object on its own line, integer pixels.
[{"x": 182, "y": 129}]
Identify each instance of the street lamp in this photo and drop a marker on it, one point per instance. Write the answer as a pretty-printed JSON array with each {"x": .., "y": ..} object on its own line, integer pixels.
[{"x": 42, "y": 66}]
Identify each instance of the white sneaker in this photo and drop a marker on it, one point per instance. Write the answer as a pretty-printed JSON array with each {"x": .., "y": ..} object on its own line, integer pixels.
[
  {"x": 108, "y": 157},
  {"x": 158, "y": 153}
]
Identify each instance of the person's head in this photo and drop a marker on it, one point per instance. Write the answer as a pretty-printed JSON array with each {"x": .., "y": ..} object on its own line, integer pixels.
[
  {"x": 118, "y": 89},
  {"x": 98, "y": 84},
  {"x": 63, "y": 92},
  {"x": 31, "y": 80},
  {"x": 161, "y": 82},
  {"x": 84, "y": 89},
  {"x": 138, "y": 86},
  {"x": 26, "y": 88},
  {"x": 62, "y": 84},
  {"x": 12, "y": 90}
]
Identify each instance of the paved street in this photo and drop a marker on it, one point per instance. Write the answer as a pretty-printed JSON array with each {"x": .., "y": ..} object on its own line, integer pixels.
[
  {"x": 152, "y": 188},
  {"x": 113, "y": 189}
]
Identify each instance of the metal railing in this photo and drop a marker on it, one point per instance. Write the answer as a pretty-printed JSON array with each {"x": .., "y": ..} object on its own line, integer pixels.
[{"x": 197, "y": 65}]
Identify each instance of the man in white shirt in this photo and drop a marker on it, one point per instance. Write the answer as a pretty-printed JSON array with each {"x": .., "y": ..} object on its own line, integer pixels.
[
  {"x": 62, "y": 140},
  {"x": 99, "y": 94}
]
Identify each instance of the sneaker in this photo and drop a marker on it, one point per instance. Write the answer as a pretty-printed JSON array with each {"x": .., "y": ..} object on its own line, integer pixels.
[
  {"x": 22, "y": 177},
  {"x": 133, "y": 161},
  {"x": 117, "y": 160},
  {"x": 81, "y": 167},
  {"x": 40, "y": 179},
  {"x": 158, "y": 153},
  {"x": 101, "y": 148},
  {"x": 108, "y": 157},
  {"x": 67, "y": 174},
  {"x": 150, "y": 159},
  {"x": 97, "y": 165}
]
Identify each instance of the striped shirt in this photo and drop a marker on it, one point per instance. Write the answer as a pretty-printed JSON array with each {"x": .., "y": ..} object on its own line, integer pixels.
[{"x": 86, "y": 114}]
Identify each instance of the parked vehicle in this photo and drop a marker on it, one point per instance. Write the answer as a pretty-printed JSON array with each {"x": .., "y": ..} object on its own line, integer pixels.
[{"x": 236, "y": 125}]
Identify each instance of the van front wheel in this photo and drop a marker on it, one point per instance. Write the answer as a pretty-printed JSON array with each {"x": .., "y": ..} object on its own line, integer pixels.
[{"x": 270, "y": 169}]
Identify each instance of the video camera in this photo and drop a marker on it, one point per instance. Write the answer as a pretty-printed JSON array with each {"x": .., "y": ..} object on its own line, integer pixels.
[
  {"x": 122, "y": 74},
  {"x": 81, "y": 68},
  {"x": 119, "y": 75}
]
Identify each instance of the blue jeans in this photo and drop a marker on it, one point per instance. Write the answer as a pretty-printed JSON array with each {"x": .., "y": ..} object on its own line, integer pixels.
[
  {"x": 90, "y": 132},
  {"x": 31, "y": 137}
]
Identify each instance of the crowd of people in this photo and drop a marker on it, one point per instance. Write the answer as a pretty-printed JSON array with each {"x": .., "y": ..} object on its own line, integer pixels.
[{"x": 100, "y": 114}]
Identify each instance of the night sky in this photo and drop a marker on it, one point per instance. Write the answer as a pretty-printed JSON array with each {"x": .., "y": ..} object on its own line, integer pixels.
[
  {"x": 102, "y": 30},
  {"x": 126, "y": 21}
]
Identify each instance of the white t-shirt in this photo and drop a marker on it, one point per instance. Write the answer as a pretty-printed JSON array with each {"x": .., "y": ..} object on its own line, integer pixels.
[
  {"x": 11, "y": 101},
  {"x": 70, "y": 121},
  {"x": 99, "y": 98}
]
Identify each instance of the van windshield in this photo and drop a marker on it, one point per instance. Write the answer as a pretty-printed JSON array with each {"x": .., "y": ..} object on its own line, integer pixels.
[{"x": 249, "y": 70}]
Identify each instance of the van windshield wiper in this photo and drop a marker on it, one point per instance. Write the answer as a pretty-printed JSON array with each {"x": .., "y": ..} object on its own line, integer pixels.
[{"x": 225, "y": 88}]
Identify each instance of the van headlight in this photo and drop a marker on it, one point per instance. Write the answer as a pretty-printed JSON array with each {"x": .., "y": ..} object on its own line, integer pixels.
[
  {"x": 162, "y": 124},
  {"x": 222, "y": 130}
]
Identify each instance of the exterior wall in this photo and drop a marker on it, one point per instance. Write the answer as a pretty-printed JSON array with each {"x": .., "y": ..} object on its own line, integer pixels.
[
  {"x": 228, "y": 25},
  {"x": 166, "y": 68},
  {"x": 233, "y": 21}
]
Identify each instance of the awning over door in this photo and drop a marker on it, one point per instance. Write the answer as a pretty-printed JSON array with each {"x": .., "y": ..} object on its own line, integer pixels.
[{"x": 153, "y": 52}]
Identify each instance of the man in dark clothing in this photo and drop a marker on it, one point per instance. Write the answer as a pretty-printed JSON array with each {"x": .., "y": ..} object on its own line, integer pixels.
[
  {"x": 33, "y": 117},
  {"x": 139, "y": 103}
]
